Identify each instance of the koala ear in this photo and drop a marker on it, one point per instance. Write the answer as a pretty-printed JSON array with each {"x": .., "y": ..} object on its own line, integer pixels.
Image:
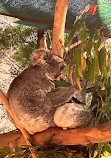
[{"x": 37, "y": 55}]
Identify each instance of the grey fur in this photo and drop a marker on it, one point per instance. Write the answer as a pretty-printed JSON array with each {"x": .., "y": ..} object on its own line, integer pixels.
[{"x": 31, "y": 94}]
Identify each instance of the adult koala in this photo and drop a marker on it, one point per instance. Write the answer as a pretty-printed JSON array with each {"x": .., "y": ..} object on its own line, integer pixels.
[{"x": 35, "y": 102}]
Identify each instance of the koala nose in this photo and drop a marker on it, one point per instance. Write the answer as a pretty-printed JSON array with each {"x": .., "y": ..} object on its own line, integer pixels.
[{"x": 62, "y": 66}]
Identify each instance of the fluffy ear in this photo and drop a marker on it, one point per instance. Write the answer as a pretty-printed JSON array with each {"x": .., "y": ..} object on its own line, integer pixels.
[{"x": 37, "y": 55}]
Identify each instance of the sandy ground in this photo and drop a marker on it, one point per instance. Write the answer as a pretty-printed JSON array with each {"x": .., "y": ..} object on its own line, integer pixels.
[{"x": 5, "y": 124}]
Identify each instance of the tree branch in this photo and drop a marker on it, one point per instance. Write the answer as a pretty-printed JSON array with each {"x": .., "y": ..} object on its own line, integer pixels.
[
  {"x": 26, "y": 135},
  {"x": 78, "y": 136},
  {"x": 41, "y": 41},
  {"x": 59, "y": 27}
]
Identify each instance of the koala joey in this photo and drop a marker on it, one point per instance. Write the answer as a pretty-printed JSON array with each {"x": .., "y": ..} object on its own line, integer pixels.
[{"x": 36, "y": 103}]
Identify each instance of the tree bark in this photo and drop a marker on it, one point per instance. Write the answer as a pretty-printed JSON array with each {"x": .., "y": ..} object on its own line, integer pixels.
[
  {"x": 4, "y": 101},
  {"x": 59, "y": 27},
  {"x": 26, "y": 135},
  {"x": 41, "y": 41},
  {"x": 78, "y": 136}
]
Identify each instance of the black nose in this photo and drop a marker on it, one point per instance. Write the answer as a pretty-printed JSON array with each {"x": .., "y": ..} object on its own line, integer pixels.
[{"x": 62, "y": 66}]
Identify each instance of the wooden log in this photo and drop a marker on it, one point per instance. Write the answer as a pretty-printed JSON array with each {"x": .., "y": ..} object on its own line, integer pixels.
[{"x": 78, "y": 136}]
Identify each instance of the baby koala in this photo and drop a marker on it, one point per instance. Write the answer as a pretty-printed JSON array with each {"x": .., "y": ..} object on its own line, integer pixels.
[
  {"x": 36, "y": 103},
  {"x": 71, "y": 115}
]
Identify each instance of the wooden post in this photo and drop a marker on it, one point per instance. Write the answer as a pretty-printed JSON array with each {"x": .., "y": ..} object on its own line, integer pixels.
[{"x": 59, "y": 27}]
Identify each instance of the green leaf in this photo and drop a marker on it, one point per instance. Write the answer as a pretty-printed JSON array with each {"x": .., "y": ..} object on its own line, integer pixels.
[
  {"x": 107, "y": 147},
  {"x": 77, "y": 61},
  {"x": 96, "y": 65},
  {"x": 4, "y": 151},
  {"x": 77, "y": 57},
  {"x": 106, "y": 108},
  {"x": 97, "y": 42},
  {"x": 89, "y": 47},
  {"x": 83, "y": 36},
  {"x": 80, "y": 72},
  {"x": 99, "y": 118},
  {"x": 59, "y": 155},
  {"x": 70, "y": 155},
  {"x": 102, "y": 59},
  {"x": 90, "y": 42},
  {"x": 106, "y": 74},
  {"x": 79, "y": 84},
  {"x": 61, "y": 83},
  {"x": 72, "y": 62},
  {"x": 66, "y": 70},
  {"x": 91, "y": 70},
  {"x": 42, "y": 155}
]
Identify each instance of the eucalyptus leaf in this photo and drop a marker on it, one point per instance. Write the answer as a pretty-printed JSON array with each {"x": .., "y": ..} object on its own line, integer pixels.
[
  {"x": 107, "y": 147},
  {"x": 89, "y": 43},
  {"x": 89, "y": 47},
  {"x": 106, "y": 108},
  {"x": 4, "y": 151},
  {"x": 77, "y": 57},
  {"x": 91, "y": 70},
  {"x": 97, "y": 41},
  {"x": 102, "y": 59},
  {"x": 61, "y": 83},
  {"x": 83, "y": 36},
  {"x": 66, "y": 69}
]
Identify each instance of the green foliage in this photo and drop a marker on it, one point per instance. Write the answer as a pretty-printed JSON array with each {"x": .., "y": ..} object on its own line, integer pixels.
[
  {"x": 17, "y": 39},
  {"x": 14, "y": 36},
  {"x": 47, "y": 150},
  {"x": 14, "y": 153},
  {"x": 61, "y": 83},
  {"x": 102, "y": 59},
  {"x": 97, "y": 74},
  {"x": 23, "y": 54},
  {"x": 96, "y": 54}
]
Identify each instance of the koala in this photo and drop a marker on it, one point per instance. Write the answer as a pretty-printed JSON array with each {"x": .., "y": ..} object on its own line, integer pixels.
[
  {"x": 35, "y": 101},
  {"x": 71, "y": 115}
]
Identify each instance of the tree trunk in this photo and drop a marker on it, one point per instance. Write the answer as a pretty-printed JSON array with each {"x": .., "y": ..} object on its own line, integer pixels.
[{"x": 59, "y": 27}]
